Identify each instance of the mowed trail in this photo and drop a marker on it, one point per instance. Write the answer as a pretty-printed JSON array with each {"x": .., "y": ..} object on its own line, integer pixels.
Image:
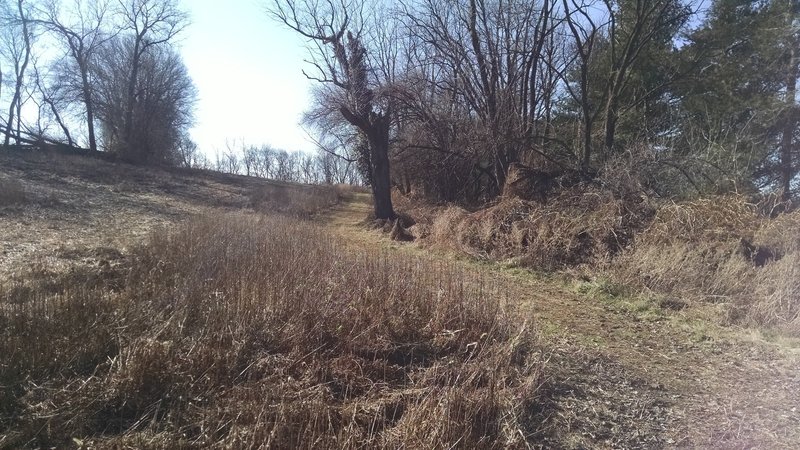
[{"x": 628, "y": 374}]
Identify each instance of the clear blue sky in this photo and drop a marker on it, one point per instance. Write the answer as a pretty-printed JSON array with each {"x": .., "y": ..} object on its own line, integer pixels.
[{"x": 247, "y": 69}]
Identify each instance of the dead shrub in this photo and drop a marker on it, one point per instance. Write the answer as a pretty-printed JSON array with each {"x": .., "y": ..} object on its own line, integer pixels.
[
  {"x": 722, "y": 250},
  {"x": 713, "y": 219},
  {"x": 246, "y": 331}
]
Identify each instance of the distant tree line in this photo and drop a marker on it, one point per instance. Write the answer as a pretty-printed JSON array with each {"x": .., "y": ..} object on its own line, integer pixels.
[
  {"x": 448, "y": 97},
  {"x": 264, "y": 161},
  {"x": 100, "y": 74}
]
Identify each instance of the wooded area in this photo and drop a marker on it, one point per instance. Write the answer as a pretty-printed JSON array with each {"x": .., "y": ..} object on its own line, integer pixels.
[
  {"x": 461, "y": 95},
  {"x": 101, "y": 75},
  {"x": 455, "y": 100}
]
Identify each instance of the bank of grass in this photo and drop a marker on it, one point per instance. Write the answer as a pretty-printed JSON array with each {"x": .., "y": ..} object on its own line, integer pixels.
[
  {"x": 246, "y": 331},
  {"x": 721, "y": 249}
]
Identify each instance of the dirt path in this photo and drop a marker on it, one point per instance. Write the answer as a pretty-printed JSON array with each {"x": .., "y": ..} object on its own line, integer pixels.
[{"x": 626, "y": 373}]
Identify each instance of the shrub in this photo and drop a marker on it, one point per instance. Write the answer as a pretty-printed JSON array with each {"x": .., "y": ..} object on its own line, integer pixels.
[
  {"x": 577, "y": 227},
  {"x": 720, "y": 249}
]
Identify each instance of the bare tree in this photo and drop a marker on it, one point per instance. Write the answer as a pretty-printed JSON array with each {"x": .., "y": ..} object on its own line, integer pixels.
[
  {"x": 81, "y": 31},
  {"x": 151, "y": 23},
  {"x": 163, "y": 110},
  {"x": 354, "y": 85},
  {"x": 51, "y": 97},
  {"x": 17, "y": 37},
  {"x": 585, "y": 31},
  {"x": 482, "y": 60}
]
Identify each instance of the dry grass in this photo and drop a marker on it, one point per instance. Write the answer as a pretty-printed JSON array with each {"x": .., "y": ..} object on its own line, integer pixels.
[
  {"x": 246, "y": 331},
  {"x": 301, "y": 201},
  {"x": 720, "y": 249},
  {"x": 577, "y": 227},
  {"x": 12, "y": 192}
]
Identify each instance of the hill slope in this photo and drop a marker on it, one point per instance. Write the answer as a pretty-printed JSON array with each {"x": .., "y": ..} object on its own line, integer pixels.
[
  {"x": 78, "y": 209},
  {"x": 620, "y": 371}
]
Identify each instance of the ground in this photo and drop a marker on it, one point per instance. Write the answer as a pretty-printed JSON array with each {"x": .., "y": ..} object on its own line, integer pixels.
[
  {"x": 628, "y": 373},
  {"x": 623, "y": 371}
]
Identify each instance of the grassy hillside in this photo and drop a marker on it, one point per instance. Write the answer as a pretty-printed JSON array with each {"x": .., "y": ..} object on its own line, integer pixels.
[
  {"x": 194, "y": 320},
  {"x": 150, "y": 308},
  {"x": 726, "y": 250}
]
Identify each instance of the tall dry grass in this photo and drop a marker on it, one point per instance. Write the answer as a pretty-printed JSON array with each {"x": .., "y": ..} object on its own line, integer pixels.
[
  {"x": 245, "y": 331},
  {"x": 576, "y": 227},
  {"x": 721, "y": 249},
  {"x": 297, "y": 200}
]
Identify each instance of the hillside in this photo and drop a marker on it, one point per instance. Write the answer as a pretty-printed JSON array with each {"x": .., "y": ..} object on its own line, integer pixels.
[
  {"x": 76, "y": 208},
  {"x": 569, "y": 362}
]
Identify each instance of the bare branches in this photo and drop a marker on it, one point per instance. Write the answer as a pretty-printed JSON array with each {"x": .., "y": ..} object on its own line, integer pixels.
[
  {"x": 86, "y": 32},
  {"x": 152, "y": 22}
]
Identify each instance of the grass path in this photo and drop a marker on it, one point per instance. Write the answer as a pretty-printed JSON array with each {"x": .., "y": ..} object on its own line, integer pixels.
[{"x": 628, "y": 372}]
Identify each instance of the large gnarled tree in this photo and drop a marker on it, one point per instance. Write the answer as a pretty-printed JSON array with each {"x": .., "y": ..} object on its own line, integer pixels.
[{"x": 353, "y": 89}]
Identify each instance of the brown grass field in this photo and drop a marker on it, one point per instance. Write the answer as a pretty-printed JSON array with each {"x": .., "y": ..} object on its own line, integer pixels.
[{"x": 151, "y": 308}]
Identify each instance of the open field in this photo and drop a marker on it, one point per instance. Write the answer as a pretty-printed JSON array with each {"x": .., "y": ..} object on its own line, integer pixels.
[{"x": 144, "y": 308}]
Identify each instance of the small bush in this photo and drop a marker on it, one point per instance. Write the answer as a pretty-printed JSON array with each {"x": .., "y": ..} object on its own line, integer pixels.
[{"x": 242, "y": 331}]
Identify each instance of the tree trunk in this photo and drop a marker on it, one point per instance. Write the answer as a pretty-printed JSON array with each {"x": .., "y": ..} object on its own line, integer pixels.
[
  {"x": 131, "y": 97},
  {"x": 787, "y": 166},
  {"x": 587, "y": 142},
  {"x": 588, "y": 120},
  {"x": 611, "y": 127},
  {"x": 88, "y": 103},
  {"x": 500, "y": 172},
  {"x": 20, "y": 72},
  {"x": 378, "y": 137}
]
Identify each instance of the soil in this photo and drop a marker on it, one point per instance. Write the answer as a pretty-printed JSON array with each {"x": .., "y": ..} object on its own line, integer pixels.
[{"x": 623, "y": 372}]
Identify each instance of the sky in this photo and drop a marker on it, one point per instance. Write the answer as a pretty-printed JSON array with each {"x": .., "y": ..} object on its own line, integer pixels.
[{"x": 247, "y": 70}]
